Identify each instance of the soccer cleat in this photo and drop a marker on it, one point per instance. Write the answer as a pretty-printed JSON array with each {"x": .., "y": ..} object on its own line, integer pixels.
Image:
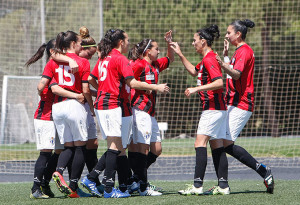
[
  {"x": 100, "y": 188},
  {"x": 133, "y": 187},
  {"x": 81, "y": 193},
  {"x": 46, "y": 190},
  {"x": 38, "y": 194},
  {"x": 216, "y": 190},
  {"x": 61, "y": 184},
  {"x": 155, "y": 188},
  {"x": 149, "y": 192},
  {"x": 269, "y": 181},
  {"x": 73, "y": 194},
  {"x": 90, "y": 186},
  {"x": 116, "y": 193},
  {"x": 191, "y": 190}
]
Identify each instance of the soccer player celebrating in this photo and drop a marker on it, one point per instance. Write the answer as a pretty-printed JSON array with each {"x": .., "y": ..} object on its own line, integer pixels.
[
  {"x": 111, "y": 67},
  {"x": 212, "y": 124},
  {"x": 147, "y": 132},
  {"x": 240, "y": 95},
  {"x": 70, "y": 125},
  {"x": 89, "y": 48},
  {"x": 46, "y": 138}
]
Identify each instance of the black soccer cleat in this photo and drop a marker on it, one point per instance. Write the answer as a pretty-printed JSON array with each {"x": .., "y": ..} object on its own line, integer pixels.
[{"x": 269, "y": 181}]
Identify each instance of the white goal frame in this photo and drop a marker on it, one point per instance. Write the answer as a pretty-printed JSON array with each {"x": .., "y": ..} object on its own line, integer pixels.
[{"x": 4, "y": 99}]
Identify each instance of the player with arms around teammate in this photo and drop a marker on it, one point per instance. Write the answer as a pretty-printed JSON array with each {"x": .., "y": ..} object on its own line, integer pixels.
[
  {"x": 147, "y": 133},
  {"x": 240, "y": 95},
  {"x": 111, "y": 67},
  {"x": 70, "y": 125},
  {"x": 212, "y": 124},
  {"x": 46, "y": 138}
]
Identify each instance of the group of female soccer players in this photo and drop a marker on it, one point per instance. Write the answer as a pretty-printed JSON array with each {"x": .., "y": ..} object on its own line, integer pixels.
[{"x": 125, "y": 108}]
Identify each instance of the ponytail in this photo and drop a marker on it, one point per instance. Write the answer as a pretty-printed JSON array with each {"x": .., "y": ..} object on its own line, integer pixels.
[
  {"x": 139, "y": 49},
  {"x": 209, "y": 34},
  {"x": 63, "y": 41},
  {"x": 242, "y": 26},
  {"x": 110, "y": 41},
  {"x": 40, "y": 52}
]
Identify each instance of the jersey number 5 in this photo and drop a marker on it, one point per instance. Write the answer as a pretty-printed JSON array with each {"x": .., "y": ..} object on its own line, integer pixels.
[
  {"x": 64, "y": 77},
  {"x": 103, "y": 70}
]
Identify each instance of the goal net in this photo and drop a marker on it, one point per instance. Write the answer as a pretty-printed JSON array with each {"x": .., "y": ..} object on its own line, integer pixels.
[{"x": 272, "y": 134}]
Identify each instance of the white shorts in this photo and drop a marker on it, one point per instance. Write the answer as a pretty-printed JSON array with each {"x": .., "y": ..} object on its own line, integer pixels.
[
  {"x": 133, "y": 136},
  {"x": 110, "y": 122},
  {"x": 236, "y": 121},
  {"x": 91, "y": 125},
  {"x": 70, "y": 117},
  {"x": 45, "y": 134},
  {"x": 147, "y": 130},
  {"x": 126, "y": 130},
  {"x": 213, "y": 123}
]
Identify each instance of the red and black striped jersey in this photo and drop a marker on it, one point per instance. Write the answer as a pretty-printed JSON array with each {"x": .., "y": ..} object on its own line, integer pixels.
[
  {"x": 240, "y": 93},
  {"x": 44, "y": 110},
  {"x": 109, "y": 72},
  {"x": 146, "y": 72},
  {"x": 62, "y": 76},
  {"x": 209, "y": 70},
  {"x": 125, "y": 97}
]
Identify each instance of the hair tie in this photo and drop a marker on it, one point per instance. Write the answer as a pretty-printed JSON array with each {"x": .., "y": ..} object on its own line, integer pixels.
[
  {"x": 87, "y": 46},
  {"x": 147, "y": 46}
]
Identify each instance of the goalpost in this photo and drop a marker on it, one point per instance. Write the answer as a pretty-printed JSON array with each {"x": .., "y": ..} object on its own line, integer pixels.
[{"x": 19, "y": 102}]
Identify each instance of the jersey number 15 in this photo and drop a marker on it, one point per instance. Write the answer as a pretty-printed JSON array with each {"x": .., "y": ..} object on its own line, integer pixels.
[{"x": 64, "y": 77}]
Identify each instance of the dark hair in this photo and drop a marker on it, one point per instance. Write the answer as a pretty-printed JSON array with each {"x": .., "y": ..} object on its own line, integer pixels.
[
  {"x": 140, "y": 48},
  {"x": 40, "y": 52},
  {"x": 242, "y": 26},
  {"x": 87, "y": 40},
  {"x": 64, "y": 39},
  {"x": 209, "y": 34},
  {"x": 110, "y": 41}
]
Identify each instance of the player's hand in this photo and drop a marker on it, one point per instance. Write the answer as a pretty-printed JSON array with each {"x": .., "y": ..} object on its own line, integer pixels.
[
  {"x": 168, "y": 37},
  {"x": 219, "y": 60},
  {"x": 189, "y": 91},
  {"x": 148, "y": 92},
  {"x": 176, "y": 48},
  {"x": 73, "y": 65},
  {"x": 163, "y": 88},
  {"x": 226, "y": 47},
  {"x": 80, "y": 98}
]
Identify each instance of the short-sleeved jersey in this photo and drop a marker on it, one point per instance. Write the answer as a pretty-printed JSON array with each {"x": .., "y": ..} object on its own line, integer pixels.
[
  {"x": 44, "y": 110},
  {"x": 209, "y": 70},
  {"x": 63, "y": 77},
  {"x": 146, "y": 72},
  {"x": 240, "y": 93},
  {"x": 109, "y": 72}
]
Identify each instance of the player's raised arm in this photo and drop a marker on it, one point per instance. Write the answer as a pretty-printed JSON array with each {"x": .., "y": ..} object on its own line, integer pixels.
[{"x": 189, "y": 67}]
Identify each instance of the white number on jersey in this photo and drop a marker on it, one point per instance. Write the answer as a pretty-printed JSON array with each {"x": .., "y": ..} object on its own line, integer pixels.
[
  {"x": 103, "y": 70},
  {"x": 63, "y": 75}
]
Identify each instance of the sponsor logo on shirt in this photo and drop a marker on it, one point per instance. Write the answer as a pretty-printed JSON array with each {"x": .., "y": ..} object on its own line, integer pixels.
[{"x": 150, "y": 77}]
